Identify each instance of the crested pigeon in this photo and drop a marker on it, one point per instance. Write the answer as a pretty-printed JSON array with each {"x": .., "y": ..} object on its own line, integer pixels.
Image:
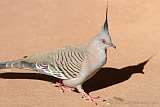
[{"x": 72, "y": 65}]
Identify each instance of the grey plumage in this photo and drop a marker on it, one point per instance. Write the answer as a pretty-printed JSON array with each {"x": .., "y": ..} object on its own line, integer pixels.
[
  {"x": 17, "y": 64},
  {"x": 67, "y": 60}
]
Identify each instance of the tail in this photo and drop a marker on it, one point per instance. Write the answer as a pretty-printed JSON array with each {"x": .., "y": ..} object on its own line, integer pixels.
[
  {"x": 10, "y": 64},
  {"x": 18, "y": 64}
]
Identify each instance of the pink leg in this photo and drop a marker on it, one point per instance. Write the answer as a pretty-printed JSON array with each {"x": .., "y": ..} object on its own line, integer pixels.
[
  {"x": 61, "y": 86},
  {"x": 93, "y": 99}
]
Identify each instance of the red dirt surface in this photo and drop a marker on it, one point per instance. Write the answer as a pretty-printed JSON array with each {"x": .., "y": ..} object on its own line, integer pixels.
[{"x": 32, "y": 26}]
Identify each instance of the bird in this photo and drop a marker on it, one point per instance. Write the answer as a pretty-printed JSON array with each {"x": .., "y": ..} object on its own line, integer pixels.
[{"x": 72, "y": 65}]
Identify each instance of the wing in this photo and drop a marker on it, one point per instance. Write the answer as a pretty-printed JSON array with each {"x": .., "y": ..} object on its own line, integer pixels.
[{"x": 65, "y": 63}]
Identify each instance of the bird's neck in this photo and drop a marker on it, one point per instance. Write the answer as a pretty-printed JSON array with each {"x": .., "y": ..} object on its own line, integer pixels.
[{"x": 97, "y": 54}]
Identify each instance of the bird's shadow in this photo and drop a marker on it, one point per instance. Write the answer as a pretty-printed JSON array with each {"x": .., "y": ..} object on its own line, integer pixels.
[
  {"x": 111, "y": 76},
  {"x": 104, "y": 78}
]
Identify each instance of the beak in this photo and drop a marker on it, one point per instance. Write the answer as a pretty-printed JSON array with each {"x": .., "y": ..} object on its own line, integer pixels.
[{"x": 112, "y": 45}]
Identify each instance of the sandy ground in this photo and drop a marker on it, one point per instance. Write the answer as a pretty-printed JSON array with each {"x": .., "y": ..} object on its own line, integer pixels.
[{"x": 31, "y": 26}]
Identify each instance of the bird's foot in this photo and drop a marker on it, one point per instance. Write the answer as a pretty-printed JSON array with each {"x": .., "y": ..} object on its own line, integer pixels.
[
  {"x": 62, "y": 87},
  {"x": 93, "y": 99}
]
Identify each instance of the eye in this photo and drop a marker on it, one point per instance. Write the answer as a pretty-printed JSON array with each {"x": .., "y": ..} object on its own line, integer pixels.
[{"x": 103, "y": 41}]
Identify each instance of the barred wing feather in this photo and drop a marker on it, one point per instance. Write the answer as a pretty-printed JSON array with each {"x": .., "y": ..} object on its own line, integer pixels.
[
  {"x": 63, "y": 63},
  {"x": 49, "y": 70}
]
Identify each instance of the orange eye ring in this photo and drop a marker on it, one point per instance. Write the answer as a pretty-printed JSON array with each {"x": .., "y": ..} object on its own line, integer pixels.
[{"x": 103, "y": 41}]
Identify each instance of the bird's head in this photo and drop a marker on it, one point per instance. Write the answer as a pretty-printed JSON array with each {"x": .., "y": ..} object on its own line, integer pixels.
[{"x": 103, "y": 39}]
